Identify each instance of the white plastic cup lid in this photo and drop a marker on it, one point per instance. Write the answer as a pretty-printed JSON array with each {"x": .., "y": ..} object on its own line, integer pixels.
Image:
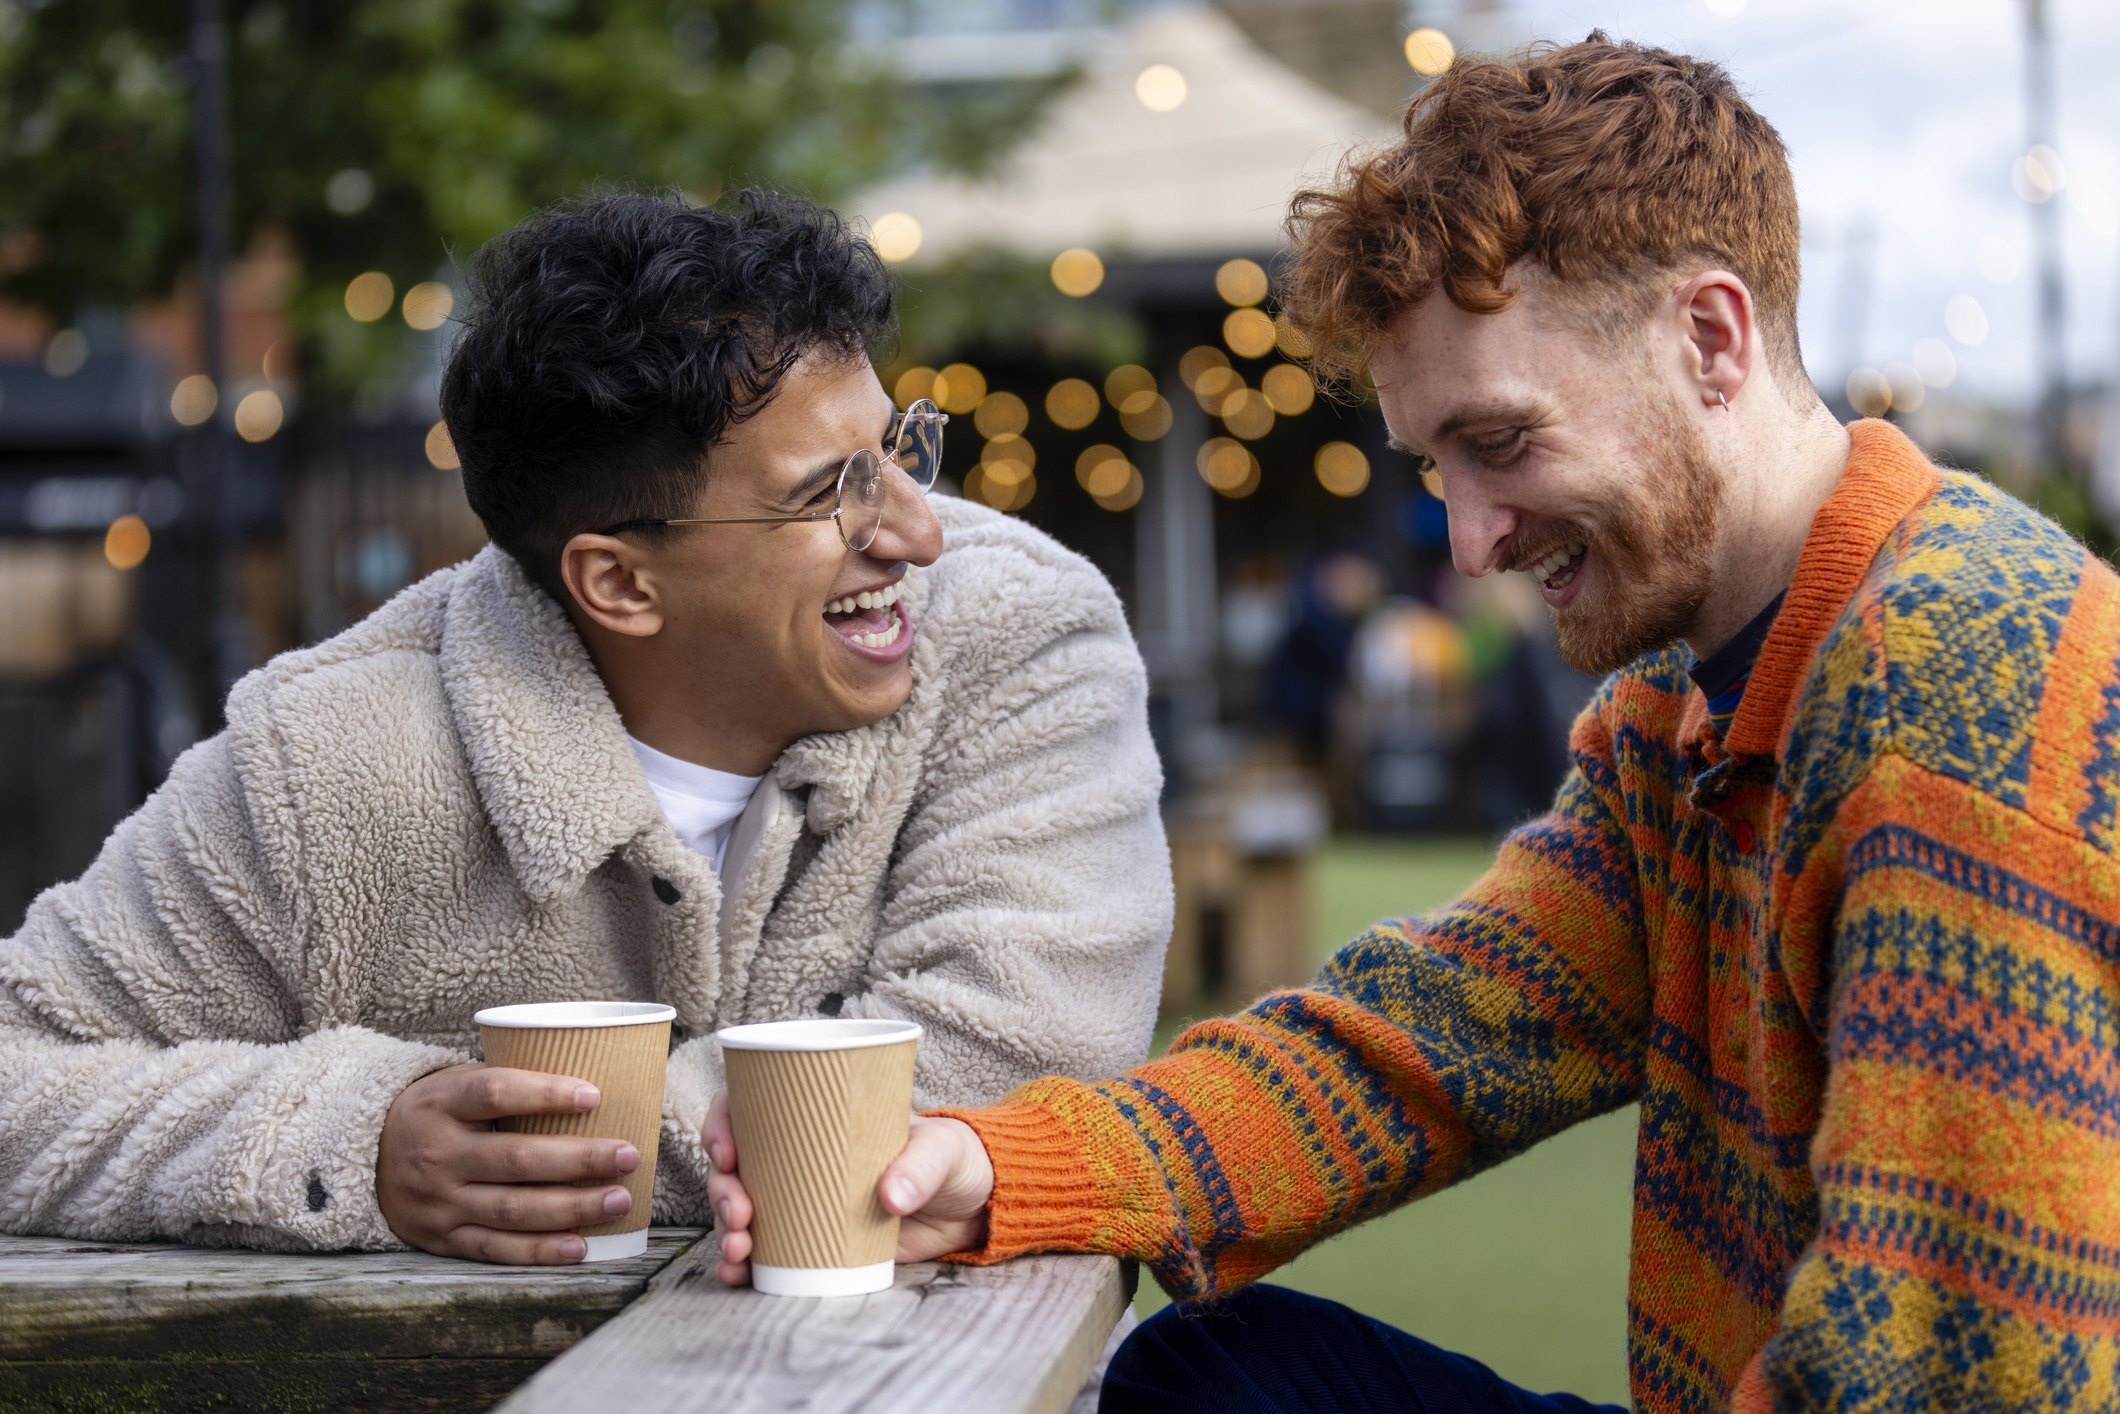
[
  {"x": 817, "y": 1034},
  {"x": 554, "y": 1015}
]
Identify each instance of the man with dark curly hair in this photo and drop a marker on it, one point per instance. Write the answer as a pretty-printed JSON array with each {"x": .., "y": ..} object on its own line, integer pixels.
[
  {"x": 731, "y": 715},
  {"x": 1830, "y": 890}
]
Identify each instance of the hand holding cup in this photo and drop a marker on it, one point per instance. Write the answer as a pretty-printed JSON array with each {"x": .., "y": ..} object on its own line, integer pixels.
[{"x": 939, "y": 1186}]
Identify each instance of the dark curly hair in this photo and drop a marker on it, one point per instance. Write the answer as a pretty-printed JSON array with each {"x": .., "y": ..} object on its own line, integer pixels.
[
  {"x": 613, "y": 340},
  {"x": 1607, "y": 164}
]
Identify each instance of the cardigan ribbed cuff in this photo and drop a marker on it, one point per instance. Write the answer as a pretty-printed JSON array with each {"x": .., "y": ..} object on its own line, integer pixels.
[{"x": 1045, "y": 1198}]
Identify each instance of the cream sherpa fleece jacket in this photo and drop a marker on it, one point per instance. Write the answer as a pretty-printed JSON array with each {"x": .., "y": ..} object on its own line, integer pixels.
[{"x": 437, "y": 811}]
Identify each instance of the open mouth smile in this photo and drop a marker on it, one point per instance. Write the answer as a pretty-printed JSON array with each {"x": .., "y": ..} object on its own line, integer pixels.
[
  {"x": 871, "y": 623},
  {"x": 1557, "y": 571}
]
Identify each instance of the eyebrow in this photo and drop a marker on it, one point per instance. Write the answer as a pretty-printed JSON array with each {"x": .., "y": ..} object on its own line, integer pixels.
[{"x": 825, "y": 472}]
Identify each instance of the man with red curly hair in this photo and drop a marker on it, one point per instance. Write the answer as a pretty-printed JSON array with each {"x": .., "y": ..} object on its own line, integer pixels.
[{"x": 1830, "y": 890}]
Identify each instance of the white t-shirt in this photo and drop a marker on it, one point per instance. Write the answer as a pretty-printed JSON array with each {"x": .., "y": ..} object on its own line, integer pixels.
[{"x": 700, "y": 802}]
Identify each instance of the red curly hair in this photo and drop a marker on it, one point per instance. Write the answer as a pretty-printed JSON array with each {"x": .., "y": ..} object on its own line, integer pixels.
[{"x": 1611, "y": 166}]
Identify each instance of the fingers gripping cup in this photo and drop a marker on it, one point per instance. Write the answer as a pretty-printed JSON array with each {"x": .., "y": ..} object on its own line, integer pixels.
[
  {"x": 622, "y": 1048},
  {"x": 820, "y": 1108}
]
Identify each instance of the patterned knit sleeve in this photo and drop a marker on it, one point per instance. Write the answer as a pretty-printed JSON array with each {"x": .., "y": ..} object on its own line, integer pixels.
[
  {"x": 1967, "y": 1158},
  {"x": 1426, "y": 1050}
]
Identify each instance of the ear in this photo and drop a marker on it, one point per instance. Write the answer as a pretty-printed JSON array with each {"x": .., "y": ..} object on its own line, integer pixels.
[
  {"x": 1719, "y": 344},
  {"x": 613, "y": 583}
]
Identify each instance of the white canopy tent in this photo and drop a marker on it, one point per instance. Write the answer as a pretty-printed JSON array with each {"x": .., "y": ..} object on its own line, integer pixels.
[{"x": 1208, "y": 179}]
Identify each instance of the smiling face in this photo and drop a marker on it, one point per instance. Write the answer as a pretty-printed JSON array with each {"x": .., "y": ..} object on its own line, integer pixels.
[
  {"x": 722, "y": 644},
  {"x": 1560, "y": 461}
]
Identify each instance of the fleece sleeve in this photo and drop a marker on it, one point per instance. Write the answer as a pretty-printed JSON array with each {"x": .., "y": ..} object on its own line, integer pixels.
[
  {"x": 1029, "y": 904},
  {"x": 1426, "y": 1050},
  {"x": 160, "y": 1075}
]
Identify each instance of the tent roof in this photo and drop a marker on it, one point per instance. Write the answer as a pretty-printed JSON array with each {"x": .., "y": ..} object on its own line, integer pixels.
[{"x": 1207, "y": 180}]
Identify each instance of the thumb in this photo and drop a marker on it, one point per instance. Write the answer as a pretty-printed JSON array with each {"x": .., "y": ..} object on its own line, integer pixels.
[{"x": 934, "y": 1159}]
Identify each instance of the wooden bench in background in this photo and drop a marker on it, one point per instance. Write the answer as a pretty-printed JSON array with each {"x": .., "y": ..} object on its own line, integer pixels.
[{"x": 88, "y": 1326}]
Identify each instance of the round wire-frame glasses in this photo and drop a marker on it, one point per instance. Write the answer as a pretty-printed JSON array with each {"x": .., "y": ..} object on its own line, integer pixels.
[{"x": 859, "y": 496}]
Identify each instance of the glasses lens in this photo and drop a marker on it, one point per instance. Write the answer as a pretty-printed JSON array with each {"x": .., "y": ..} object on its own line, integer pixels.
[
  {"x": 861, "y": 500},
  {"x": 920, "y": 443}
]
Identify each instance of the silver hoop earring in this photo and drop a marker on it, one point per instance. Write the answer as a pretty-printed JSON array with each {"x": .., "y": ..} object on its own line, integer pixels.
[{"x": 1723, "y": 400}]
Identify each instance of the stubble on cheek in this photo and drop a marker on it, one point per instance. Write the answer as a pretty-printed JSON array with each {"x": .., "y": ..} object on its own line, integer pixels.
[{"x": 1653, "y": 552}]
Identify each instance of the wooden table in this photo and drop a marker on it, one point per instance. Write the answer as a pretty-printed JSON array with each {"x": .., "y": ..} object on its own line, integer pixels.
[{"x": 155, "y": 1326}]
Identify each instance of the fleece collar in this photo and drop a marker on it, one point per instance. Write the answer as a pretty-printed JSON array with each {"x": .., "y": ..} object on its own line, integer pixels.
[
  {"x": 554, "y": 771},
  {"x": 1886, "y": 479}
]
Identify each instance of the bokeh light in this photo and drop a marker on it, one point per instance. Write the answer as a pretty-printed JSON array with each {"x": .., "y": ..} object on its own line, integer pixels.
[
  {"x": 1008, "y": 458},
  {"x": 896, "y": 236},
  {"x": 126, "y": 543},
  {"x": 1902, "y": 383},
  {"x": 1241, "y": 282},
  {"x": 66, "y": 352},
  {"x": 1149, "y": 423},
  {"x": 1933, "y": 360},
  {"x": 1223, "y": 464},
  {"x": 427, "y": 304},
  {"x": 995, "y": 491},
  {"x": 1199, "y": 360},
  {"x": 959, "y": 387},
  {"x": 1215, "y": 387},
  {"x": 1429, "y": 51},
  {"x": 1129, "y": 387},
  {"x": 194, "y": 400},
  {"x": 1001, "y": 415},
  {"x": 1344, "y": 471},
  {"x": 1103, "y": 471},
  {"x": 1965, "y": 319},
  {"x": 1289, "y": 338},
  {"x": 1247, "y": 414},
  {"x": 913, "y": 385},
  {"x": 1160, "y": 88},
  {"x": 369, "y": 296},
  {"x": 1072, "y": 403},
  {"x": 278, "y": 363},
  {"x": 441, "y": 448},
  {"x": 2039, "y": 174},
  {"x": 1289, "y": 389},
  {"x": 259, "y": 415},
  {"x": 1868, "y": 394},
  {"x": 349, "y": 191},
  {"x": 1077, "y": 272},
  {"x": 1997, "y": 260},
  {"x": 1248, "y": 332}
]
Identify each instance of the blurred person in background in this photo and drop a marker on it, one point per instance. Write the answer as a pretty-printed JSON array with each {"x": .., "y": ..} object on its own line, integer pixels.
[
  {"x": 729, "y": 715},
  {"x": 1829, "y": 890}
]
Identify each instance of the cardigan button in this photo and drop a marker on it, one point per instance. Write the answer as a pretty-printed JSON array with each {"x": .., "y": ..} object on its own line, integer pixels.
[
  {"x": 666, "y": 891},
  {"x": 1742, "y": 832}
]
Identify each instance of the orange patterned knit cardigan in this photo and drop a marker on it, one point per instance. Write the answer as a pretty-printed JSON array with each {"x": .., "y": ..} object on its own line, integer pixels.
[{"x": 1860, "y": 964}]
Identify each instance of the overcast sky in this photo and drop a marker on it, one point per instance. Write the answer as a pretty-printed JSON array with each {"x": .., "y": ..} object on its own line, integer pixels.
[{"x": 1906, "y": 115}]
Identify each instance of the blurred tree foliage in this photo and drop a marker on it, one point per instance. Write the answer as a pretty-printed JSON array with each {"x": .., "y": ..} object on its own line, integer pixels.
[{"x": 397, "y": 135}]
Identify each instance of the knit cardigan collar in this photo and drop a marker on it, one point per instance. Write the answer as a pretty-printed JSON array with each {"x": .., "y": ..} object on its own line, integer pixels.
[
  {"x": 547, "y": 750},
  {"x": 1886, "y": 478}
]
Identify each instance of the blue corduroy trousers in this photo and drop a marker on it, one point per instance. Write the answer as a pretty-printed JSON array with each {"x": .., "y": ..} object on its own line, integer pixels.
[{"x": 1269, "y": 1350}]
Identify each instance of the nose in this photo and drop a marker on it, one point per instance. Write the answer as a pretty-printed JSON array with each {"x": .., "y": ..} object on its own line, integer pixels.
[
  {"x": 1479, "y": 526},
  {"x": 909, "y": 531}
]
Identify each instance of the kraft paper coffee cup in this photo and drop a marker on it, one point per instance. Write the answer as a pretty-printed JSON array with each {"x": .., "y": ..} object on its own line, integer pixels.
[
  {"x": 622, "y": 1048},
  {"x": 820, "y": 1109}
]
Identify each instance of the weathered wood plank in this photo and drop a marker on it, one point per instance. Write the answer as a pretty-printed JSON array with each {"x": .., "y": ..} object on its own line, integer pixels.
[
  {"x": 1017, "y": 1337},
  {"x": 71, "y": 1301},
  {"x": 327, "y": 1385}
]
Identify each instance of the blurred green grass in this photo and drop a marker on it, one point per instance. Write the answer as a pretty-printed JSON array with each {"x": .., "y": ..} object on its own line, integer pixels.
[{"x": 1523, "y": 1267}]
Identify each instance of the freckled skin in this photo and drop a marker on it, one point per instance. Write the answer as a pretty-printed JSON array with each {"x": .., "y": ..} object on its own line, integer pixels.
[{"x": 712, "y": 638}]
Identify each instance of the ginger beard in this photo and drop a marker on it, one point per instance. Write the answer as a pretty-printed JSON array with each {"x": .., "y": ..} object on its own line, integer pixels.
[{"x": 1653, "y": 547}]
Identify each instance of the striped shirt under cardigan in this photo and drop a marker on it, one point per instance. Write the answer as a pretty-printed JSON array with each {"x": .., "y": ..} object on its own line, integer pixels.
[{"x": 1857, "y": 963}]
